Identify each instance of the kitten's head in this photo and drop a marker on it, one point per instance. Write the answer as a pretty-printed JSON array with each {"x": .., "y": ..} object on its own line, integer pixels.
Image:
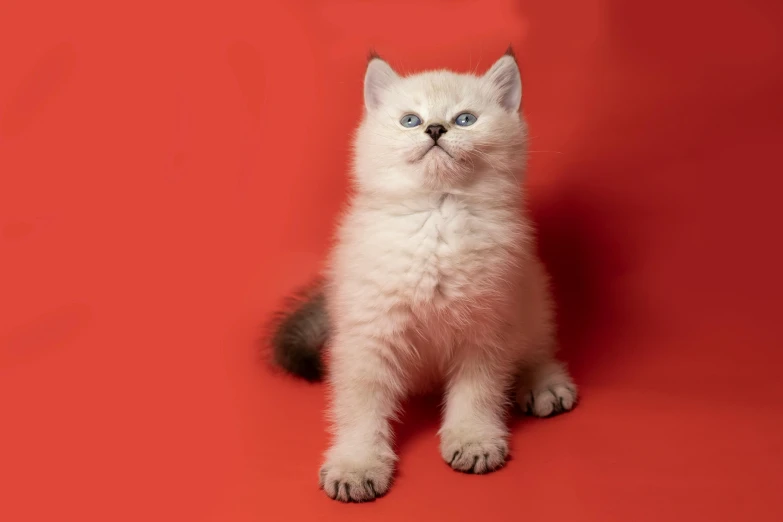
[{"x": 439, "y": 130}]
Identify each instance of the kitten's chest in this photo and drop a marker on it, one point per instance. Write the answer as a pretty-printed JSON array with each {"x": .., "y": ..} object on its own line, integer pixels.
[{"x": 445, "y": 253}]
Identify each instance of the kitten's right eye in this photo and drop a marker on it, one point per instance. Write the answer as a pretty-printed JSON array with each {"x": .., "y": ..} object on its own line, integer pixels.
[{"x": 410, "y": 121}]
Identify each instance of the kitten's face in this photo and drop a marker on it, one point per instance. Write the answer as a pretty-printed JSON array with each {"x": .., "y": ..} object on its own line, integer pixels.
[{"x": 439, "y": 130}]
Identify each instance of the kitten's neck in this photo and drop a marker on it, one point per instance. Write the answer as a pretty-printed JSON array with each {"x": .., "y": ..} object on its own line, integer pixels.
[
  {"x": 420, "y": 201},
  {"x": 483, "y": 192}
]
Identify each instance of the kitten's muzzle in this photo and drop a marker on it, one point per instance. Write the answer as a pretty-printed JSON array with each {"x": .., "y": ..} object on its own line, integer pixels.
[{"x": 435, "y": 130}]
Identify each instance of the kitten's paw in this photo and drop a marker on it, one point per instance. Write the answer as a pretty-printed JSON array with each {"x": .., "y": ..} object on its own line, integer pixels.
[
  {"x": 351, "y": 479},
  {"x": 556, "y": 397},
  {"x": 472, "y": 455}
]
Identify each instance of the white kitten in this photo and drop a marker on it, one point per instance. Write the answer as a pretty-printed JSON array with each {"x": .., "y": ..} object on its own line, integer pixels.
[{"x": 433, "y": 280}]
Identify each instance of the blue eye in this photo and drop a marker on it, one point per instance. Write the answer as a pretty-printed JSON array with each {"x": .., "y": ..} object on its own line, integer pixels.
[
  {"x": 410, "y": 121},
  {"x": 465, "y": 119}
]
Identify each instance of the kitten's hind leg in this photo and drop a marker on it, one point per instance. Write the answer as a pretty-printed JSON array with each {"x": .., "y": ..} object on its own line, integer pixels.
[{"x": 546, "y": 388}]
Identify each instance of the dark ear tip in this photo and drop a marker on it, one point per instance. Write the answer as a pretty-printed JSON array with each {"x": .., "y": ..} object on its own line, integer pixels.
[
  {"x": 510, "y": 52},
  {"x": 373, "y": 55}
]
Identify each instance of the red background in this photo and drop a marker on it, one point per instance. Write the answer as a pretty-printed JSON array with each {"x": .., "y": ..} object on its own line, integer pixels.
[{"x": 168, "y": 172}]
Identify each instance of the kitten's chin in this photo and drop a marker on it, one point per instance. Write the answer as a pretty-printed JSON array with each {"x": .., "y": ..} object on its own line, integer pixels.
[
  {"x": 437, "y": 167},
  {"x": 441, "y": 170}
]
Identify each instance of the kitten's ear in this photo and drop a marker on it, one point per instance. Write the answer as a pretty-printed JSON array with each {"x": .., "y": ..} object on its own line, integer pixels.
[
  {"x": 378, "y": 78},
  {"x": 505, "y": 79}
]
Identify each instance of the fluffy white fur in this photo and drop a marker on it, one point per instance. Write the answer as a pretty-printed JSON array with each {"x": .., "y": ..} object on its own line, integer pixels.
[{"x": 434, "y": 280}]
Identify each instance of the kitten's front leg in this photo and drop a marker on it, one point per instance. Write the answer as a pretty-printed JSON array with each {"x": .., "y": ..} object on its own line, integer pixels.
[
  {"x": 366, "y": 393},
  {"x": 474, "y": 435}
]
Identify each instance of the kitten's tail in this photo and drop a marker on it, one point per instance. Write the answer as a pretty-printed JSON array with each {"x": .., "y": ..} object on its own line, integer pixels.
[{"x": 299, "y": 334}]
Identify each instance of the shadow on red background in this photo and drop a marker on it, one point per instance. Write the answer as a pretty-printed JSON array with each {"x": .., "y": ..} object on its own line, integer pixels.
[{"x": 168, "y": 171}]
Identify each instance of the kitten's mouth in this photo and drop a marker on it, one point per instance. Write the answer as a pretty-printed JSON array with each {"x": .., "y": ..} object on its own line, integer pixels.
[{"x": 433, "y": 147}]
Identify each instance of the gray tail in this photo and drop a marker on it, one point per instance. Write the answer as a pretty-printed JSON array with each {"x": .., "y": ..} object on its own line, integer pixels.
[{"x": 299, "y": 333}]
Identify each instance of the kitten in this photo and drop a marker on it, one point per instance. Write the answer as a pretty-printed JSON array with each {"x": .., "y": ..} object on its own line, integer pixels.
[{"x": 433, "y": 280}]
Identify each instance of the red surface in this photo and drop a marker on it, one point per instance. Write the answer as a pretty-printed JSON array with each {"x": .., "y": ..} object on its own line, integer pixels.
[{"x": 168, "y": 172}]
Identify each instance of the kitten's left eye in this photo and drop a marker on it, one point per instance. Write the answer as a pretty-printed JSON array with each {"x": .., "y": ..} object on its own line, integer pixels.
[
  {"x": 410, "y": 121},
  {"x": 465, "y": 119}
]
